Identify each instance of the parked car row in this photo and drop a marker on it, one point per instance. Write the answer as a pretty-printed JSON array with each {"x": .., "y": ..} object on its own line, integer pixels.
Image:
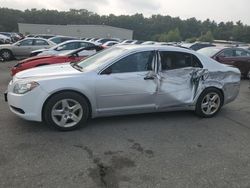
[{"x": 51, "y": 45}]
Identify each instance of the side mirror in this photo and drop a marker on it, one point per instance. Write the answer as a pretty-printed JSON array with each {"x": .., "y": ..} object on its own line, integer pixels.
[{"x": 18, "y": 44}]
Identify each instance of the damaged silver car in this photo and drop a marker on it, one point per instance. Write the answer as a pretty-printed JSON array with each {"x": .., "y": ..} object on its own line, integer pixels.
[{"x": 126, "y": 79}]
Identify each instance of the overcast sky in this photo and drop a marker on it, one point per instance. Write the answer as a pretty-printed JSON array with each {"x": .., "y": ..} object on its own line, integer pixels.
[{"x": 218, "y": 10}]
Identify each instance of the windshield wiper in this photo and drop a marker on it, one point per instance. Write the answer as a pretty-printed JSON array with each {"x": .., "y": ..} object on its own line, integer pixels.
[{"x": 76, "y": 66}]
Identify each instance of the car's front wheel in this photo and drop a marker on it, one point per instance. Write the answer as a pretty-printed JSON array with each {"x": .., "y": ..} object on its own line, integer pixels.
[
  {"x": 209, "y": 103},
  {"x": 66, "y": 111}
]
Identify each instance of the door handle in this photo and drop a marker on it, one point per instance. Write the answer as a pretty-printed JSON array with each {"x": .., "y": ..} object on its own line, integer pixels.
[{"x": 149, "y": 78}]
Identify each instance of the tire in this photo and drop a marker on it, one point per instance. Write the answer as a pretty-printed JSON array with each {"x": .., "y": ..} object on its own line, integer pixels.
[
  {"x": 66, "y": 111},
  {"x": 6, "y": 55},
  {"x": 209, "y": 103}
]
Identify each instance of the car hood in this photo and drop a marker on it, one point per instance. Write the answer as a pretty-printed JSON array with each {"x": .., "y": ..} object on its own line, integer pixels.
[
  {"x": 57, "y": 70},
  {"x": 36, "y": 58}
]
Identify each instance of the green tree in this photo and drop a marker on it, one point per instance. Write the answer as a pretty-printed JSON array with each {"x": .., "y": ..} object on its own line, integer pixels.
[
  {"x": 171, "y": 36},
  {"x": 207, "y": 37},
  {"x": 156, "y": 27}
]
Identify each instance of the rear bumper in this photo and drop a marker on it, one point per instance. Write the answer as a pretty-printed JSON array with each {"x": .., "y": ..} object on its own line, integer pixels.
[{"x": 231, "y": 91}]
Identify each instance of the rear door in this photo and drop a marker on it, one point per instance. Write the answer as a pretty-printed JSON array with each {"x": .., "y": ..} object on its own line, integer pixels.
[
  {"x": 40, "y": 44},
  {"x": 176, "y": 85}
]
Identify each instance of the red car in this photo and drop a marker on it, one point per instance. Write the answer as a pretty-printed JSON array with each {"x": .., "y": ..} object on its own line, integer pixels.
[
  {"x": 37, "y": 61},
  {"x": 237, "y": 57}
]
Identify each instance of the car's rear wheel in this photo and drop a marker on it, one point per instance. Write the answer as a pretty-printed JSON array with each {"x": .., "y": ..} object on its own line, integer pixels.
[
  {"x": 209, "y": 103},
  {"x": 66, "y": 111},
  {"x": 6, "y": 55}
]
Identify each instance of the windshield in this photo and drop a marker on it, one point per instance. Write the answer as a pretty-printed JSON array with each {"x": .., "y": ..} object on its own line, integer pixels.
[
  {"x": 101, "y": 57},
  {"x": 209, "y": 52}
]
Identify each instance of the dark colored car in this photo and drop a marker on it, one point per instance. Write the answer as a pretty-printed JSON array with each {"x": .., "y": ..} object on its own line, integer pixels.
[
  {"x": 72, "y": 56},
  {"x": 237, "y": 57}
]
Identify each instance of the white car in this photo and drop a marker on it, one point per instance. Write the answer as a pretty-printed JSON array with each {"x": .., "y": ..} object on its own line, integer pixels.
[
  {"x": 65, "y": 47},
  {"x": 4, "y": 39},
  {"x": 23, "y": 48},
  {"x": 125, "y": 79},
  {"x": 110, "y": 43}
]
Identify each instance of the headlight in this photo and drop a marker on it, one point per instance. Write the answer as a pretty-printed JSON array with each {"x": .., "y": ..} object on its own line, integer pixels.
[{"x": 24, "y": 87}]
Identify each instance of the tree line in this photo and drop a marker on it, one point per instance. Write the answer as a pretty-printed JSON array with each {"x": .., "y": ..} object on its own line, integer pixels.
[{"x": 156, "y": 27}]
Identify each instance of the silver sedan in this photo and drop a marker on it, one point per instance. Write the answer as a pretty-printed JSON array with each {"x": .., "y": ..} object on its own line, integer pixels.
[
  {"x": 23, "y": 48},
  {"x": 126, "y": 79}
]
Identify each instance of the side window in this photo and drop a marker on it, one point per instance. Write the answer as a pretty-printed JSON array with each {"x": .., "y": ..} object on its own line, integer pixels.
[
  {"x": 177, "y": 60},
  {"x": 228, "y": 53},
  {"x": 68, "y": 46},
  {"x": 138, "y": 62},
  {"x": 85, "y": 44},
  {"x": 28, "y": 42},
  {"x": 196, "y": 62},
  {"x": 241, "y": 52},
  {"x": 66, "y": 39},
  {"x": 39, "y": 42},
  {"x": 56, "y": 40}
]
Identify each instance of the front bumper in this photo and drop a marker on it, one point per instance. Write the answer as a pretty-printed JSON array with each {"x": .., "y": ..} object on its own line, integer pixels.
[{"x": 29, "y": 105}]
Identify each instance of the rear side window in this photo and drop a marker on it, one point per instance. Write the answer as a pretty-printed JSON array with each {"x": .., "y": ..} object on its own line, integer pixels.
[
  {"x": 228, "y": 53},
  {"x": 28, "y": 42},
  {"x": 39, "y": 42},
  {"x": 177, "y": 60}
]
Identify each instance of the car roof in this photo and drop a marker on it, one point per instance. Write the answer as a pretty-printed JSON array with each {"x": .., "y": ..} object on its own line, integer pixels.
[
  {"x": 34, "y": 38},
  {"x": 223, "y": 47},
  {"x": 155, "y": 47}
]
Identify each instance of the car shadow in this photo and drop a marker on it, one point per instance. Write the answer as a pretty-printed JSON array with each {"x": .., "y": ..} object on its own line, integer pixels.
[{"x": 123, "y": 121}]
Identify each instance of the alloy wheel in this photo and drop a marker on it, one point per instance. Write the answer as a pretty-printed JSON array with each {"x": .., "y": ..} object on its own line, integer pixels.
[
  {"x": 210, "y": 103},
  {"x": 67, "y": 113}
]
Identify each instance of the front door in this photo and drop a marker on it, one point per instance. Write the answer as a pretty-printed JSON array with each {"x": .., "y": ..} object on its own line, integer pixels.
[
  {"x": 128, "y": 85},
  {"x": 23, "y": 48}
]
